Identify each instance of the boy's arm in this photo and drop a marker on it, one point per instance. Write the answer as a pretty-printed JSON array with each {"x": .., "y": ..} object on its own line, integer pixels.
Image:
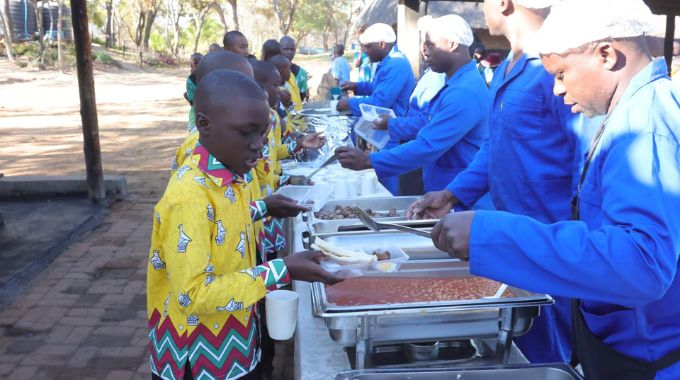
[{"x": 187, "y": 240}]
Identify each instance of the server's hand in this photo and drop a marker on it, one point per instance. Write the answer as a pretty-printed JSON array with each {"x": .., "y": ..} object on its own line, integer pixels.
[
  {"x": 347, "y": 86},
  {"x": 304, "y": 266},
  {"x": 381, "y": 123},
  {"x": 452, "y": 234},
  {"x": 433, "y": 205},
  {"x": 343, "y": 105},
  {"x": 353, "y": 158}
]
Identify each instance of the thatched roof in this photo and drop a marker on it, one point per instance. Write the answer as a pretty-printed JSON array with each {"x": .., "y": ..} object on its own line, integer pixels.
[{"x": 385, "y": 11}]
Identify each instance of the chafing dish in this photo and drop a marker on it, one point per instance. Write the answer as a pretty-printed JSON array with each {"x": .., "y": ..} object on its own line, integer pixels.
[
  {"x": 557, "y": 371},
  {"x": 378, "y": 205},
  {"x": 367, "y": 325},
  {"x": 416, "y": 247}
]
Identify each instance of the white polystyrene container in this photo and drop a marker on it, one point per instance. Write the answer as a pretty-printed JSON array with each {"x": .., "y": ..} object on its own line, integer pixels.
[
  {"x": 316, "y": 195},
  {"x": 397, "y": 257}
]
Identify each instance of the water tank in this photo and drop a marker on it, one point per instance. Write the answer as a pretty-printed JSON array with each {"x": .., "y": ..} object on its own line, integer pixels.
[
  {"x": 22, "y": 16},
  {"x": 51, "y": 28}
]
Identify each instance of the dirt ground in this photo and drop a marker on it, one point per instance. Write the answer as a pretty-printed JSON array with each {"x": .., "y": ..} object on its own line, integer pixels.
[{"x": 142, "y": 119}]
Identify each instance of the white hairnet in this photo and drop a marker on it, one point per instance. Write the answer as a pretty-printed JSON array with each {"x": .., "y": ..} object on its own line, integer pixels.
[
  {"x": 537, "y": 4},
  {"x": 575, "y": 23},
  {"x": 451, "y": 27},
  {"x": 378, "y": 32}
]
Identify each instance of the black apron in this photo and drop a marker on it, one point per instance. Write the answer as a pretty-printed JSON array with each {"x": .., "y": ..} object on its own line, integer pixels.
[{"x": 598, "y": 360}]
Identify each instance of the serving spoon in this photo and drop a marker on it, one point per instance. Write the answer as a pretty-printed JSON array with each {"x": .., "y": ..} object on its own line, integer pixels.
[{"x": 369, "y": 222}]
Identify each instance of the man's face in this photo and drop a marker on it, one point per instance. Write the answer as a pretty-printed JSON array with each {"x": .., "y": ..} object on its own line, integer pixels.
[
  {"x": 237, "y": 134},
  {"x": 239, "y": 46},
  {"x": 493, "y": 13},
  {"x": 288, "y": 49},
  {"x": 436, "y": 50},
  {"x": 272, "y": 88},
  {"x": 581, "y": 80},
  {"x": 374, "y": 51}
]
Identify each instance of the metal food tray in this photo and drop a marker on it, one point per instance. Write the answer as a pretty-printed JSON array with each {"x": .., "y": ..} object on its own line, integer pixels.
[
  {"x": 368, "y": 325},
  {"x": 427, "y": 269},
  {"x": 401, "y": 204},
  {"x": 320, "y": 226},
  {"x": 557, "y": 371},
  {"x": 416, "y": 247}
]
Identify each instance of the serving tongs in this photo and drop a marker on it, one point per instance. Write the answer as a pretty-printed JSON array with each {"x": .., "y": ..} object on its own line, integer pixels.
[
  {"x": 329, "y": 161},
  {"x": 376, "y": 226}
]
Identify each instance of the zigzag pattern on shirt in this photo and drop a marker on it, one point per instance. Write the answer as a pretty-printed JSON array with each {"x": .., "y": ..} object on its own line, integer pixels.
[
  {"x": 274, "y": 235},
  {"x": 274, "y": 274},
  {"x": 168, "y": 349},
  {"x": 232, "y": 352}
]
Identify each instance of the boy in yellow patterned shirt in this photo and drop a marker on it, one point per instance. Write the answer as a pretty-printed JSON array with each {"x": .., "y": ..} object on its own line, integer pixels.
[{"x": 203, "y": 281}]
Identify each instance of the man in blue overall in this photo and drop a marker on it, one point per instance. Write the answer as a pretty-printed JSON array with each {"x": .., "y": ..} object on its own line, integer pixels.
[
  {"x": 456, "y": 125},
  {"x": 391, "y": 86},
  {"x": 525, "y": 164},
  {"x": 619, "y": 257}
]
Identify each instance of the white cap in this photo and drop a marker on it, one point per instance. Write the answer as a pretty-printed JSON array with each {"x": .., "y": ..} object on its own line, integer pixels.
[
  {"x": 537, "y": 4},
  {"x": 575, "y": 23},
  {"x": 451, "y": 27},
  {"x": 378, "y": 32}
]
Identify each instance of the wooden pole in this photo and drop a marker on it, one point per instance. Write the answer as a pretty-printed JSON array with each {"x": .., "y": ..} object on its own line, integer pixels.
[
  {"x": 88, "y": 104},
  {"x": 668, "y": 42}
]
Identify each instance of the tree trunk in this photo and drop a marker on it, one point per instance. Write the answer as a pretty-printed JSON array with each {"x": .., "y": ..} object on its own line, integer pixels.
[
  {"x": 8, "y": 20},
  {"x": 285, "y": 18},
  {"x": 60, "y": 18},
  {"x": 139, "y": 33},
  {"x": 150, "y": 17},
  {"x": 41, "y": 31},
  {"x": 6, "y": 31},
  {"x": 234, "y": 12},
  {"x": 109, "y": 23},
  {"x": 88, "y": 103},
  {"x": 198, "y": 22},
  {"x": 220, "y": 13}
]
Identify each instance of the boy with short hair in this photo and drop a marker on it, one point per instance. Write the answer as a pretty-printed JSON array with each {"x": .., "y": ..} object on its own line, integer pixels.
[
  {"x": 191, "y": 88},
  {"x": 203, "y": 279}
]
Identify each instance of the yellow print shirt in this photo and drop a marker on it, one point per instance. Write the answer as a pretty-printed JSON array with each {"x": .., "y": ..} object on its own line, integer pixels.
[{"x": 202, "y": 279}]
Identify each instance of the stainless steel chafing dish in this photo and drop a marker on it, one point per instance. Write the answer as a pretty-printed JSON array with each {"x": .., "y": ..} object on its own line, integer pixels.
[
  {"x": 380, "y": 205},
  {"x": 557, "y": 371},
  {"x": 416, "y": 247},
  {"x": 365, "y": 326}
]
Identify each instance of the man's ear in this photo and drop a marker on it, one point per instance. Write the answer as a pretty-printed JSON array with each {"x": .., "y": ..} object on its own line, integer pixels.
[
  {"x": 506, "y": 6},
  {"x": 203, "y": 124},
  {"x": 382, "y": 44},
  {"x": 453, "y": 46},
  {"x": 607, "y": 55}
]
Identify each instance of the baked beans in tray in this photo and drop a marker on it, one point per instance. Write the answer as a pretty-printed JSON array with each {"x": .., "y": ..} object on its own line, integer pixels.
[{"x": 435, "y": 283}]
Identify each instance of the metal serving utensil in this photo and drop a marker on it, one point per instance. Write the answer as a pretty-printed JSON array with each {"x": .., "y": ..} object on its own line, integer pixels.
[
  {"x": 329, "y": 161},
  {"x": 375, "y": 226}
]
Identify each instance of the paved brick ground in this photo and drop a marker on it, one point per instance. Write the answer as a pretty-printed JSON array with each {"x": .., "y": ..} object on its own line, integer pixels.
[{"x": 84, "y": 317}]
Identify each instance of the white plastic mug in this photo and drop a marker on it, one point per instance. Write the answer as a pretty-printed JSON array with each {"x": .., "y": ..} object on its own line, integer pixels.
[
  {"x": 367, "y": 187},
  {"x": 334, "y": 107},
  {"x": 340, "y": 189},
  {"x": 281, "y": 307},
  {"x": 352, "y": 188}
]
